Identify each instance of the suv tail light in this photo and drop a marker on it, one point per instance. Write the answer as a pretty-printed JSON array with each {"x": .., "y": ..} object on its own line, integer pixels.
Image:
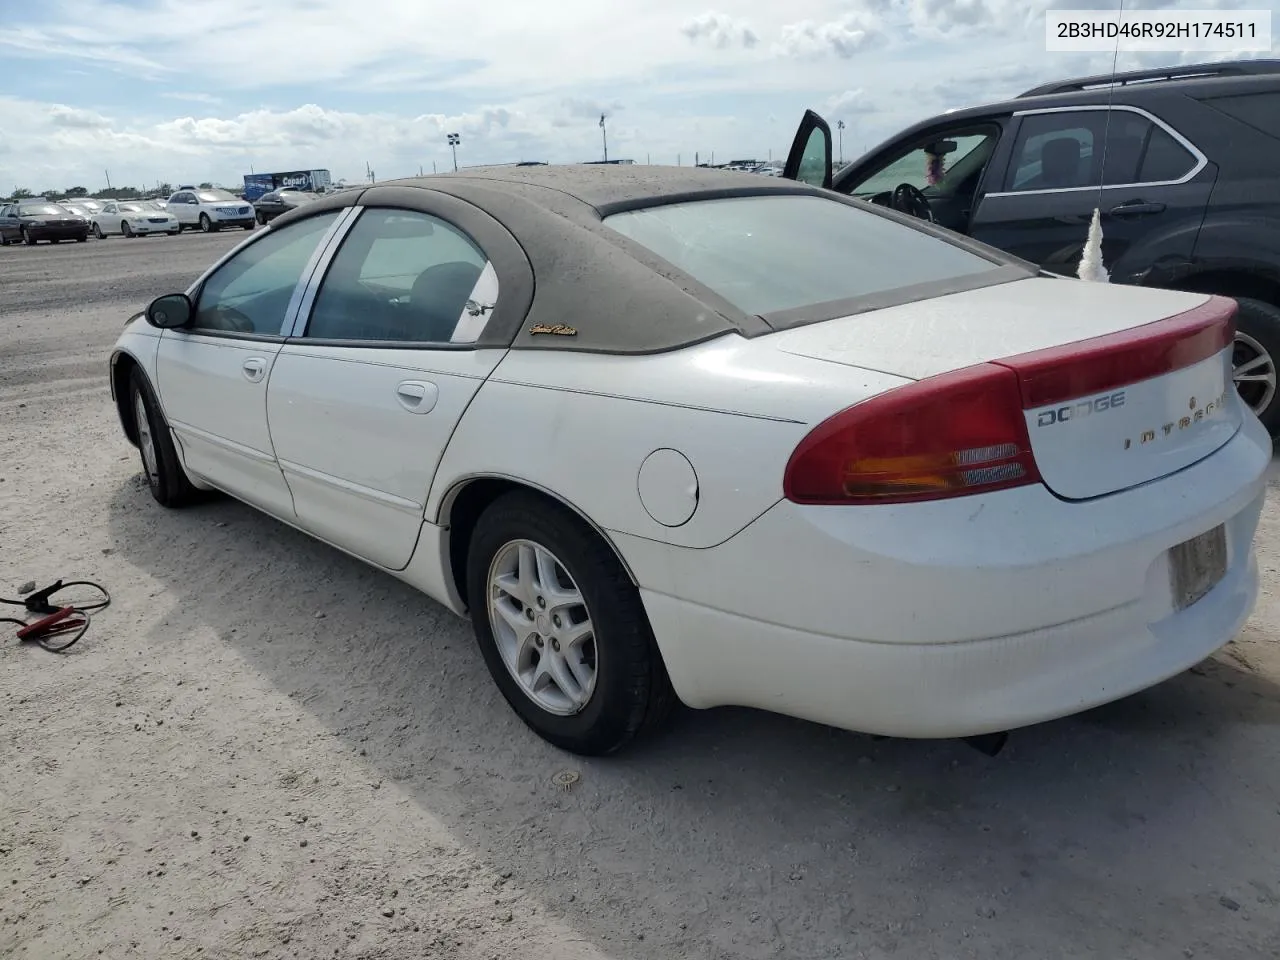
[{"x": 959, "y": 433}]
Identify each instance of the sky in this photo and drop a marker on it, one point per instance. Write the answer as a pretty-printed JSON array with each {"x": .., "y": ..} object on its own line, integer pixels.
[{"x": 185, "y": 91}]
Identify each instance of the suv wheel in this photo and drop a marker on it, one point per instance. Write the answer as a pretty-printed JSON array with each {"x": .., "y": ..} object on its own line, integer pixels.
[
  {"x": 1254, "y": 357},
  {"x": 205, "y": 223}
]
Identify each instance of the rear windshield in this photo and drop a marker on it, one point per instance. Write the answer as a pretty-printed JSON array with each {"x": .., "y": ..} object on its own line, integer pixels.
[{"x": 767, "y": 254}]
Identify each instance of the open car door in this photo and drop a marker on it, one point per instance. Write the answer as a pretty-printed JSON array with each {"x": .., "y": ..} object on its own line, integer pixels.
[{"x": 810, "y": 157}]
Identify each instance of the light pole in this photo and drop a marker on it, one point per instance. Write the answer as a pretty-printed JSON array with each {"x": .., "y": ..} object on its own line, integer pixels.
[
  {"x": 454, "y": 140},
  {"x": 840, "y": 129},
  {"x": 604, "y": 138}
]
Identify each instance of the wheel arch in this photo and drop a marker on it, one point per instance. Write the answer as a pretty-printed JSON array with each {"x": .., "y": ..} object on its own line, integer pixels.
[
  {"x": 463, "y": 503},
  {"x": 123, "y": 363}
]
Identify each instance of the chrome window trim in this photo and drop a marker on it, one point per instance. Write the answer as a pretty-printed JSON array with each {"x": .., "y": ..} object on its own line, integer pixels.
[
  {"x": 327, "y": 250},
  {"x": 336, "y": 229},
  {"x": 1201, "y": 160}
]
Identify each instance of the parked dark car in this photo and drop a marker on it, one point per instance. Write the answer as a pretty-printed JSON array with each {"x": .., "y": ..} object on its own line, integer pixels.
[
  {"x": 1181, "y": 163},
  {"x": 31, "y": 221},
  {"x": 270, "y": 205}
]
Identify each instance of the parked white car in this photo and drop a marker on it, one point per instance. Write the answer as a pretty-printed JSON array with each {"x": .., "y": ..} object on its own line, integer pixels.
[
  {"x": 132, "y": 218},
  {"x": 210, "y": 210},
  {"x": 735, "y": 439}
]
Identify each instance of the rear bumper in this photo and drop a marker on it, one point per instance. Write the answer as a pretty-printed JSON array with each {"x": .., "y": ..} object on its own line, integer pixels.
[{"x": 981, "y": 614}]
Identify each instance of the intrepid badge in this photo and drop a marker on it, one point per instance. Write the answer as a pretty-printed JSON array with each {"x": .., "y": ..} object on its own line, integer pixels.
[
  {"x": 556, "y": 329},
  {"x": 1198, "y": 413}
]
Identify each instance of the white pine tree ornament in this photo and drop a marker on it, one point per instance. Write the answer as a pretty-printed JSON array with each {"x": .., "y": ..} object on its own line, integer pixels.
[{"x": 1091, "y": 267}]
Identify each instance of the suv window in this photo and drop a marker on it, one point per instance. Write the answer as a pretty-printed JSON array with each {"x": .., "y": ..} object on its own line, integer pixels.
[
  {"x": 399, "y": 276},
  {"x": 1259, "y": 110},
  {"x": 250, "y": 293},
  {"x": 1066, "y": 150}
]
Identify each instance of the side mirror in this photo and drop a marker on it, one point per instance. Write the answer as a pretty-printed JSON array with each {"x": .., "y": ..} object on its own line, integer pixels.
[
  {"x": 170, "y": 311},
  {"x": 810, "y": 158}
]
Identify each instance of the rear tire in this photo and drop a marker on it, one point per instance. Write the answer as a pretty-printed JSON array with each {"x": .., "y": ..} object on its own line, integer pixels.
[
  {"x": 629, "y": 690},
  {"x": 1256, "y": 353},
  {"x": 160, "y": 464}
]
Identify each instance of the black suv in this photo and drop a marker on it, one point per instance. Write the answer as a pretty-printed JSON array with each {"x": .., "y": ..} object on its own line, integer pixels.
[{"x": 1183, "y": 163}]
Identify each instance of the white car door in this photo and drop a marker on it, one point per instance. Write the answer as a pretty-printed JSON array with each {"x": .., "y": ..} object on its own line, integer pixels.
[
  {"x": 105, "y": 217},
  {"x": 183, "y": 207},
  {"x": 362, "y": 402},
  {"x": 212, "y": 375}
]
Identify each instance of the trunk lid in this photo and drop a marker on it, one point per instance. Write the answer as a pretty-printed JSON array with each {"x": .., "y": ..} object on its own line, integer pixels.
[{"x": 1120, "y": 385}]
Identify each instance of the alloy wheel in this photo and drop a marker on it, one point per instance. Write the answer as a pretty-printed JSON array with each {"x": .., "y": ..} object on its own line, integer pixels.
[
  {"x": 542, "y": 627},
  {"x": 1254, "y": 372},
  {"x": 146, "y": 442}
]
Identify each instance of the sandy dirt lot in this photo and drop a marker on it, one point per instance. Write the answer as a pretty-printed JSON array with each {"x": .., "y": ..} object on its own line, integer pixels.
[{"x": 265, "y": 749}]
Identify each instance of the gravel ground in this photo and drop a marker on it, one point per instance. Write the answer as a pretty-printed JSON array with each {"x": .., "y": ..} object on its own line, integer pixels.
[{"x": 265, "y": 749}]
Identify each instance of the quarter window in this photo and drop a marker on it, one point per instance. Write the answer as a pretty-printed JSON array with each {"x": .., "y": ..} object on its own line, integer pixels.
[
  {"x": 406, "y": 277},
  {"x": 250, "y": 293},
  {"x": 1080, "y": 149}
]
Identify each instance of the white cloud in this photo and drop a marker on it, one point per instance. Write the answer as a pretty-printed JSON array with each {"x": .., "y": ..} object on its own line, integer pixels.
[
  {"x": 720, "y": 30},
  {"x": 844, "y": 37},
  {"x": 64, "y": 116},
  {"x": 192, "y": 97},
  {"x": 849, "y": 103}
]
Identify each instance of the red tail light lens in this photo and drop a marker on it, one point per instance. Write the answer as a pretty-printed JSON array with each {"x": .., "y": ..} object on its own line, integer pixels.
[{"x": 952, "y": 435}]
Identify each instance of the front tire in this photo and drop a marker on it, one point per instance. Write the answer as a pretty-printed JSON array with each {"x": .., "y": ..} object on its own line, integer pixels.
[
  {"x": 160, "y": 465},
  {"x": 206, "y": 225},
  {"x": 125, "y": 229},
  {"x": 27, "y": 238},
  {"x": 561, "y": 627},
  {"x": 1254, "y": 357}
]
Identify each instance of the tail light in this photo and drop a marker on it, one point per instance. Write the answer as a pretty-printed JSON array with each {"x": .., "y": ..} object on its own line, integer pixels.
[
  {"x": 951, "y": 435},
  {"x": 965, "y": 432}
]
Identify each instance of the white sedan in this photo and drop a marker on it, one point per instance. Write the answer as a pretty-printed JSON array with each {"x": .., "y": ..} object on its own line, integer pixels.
[
  {"x": 132, "y": 218},
  {"x": 670, "y": 434}
]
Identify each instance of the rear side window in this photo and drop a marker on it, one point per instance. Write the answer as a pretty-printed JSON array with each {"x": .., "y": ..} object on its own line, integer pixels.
[
  {"x": 1079, "y": 149},
  {"x": 1259, "y": 110},
  {"x": 774, "y": 253}
]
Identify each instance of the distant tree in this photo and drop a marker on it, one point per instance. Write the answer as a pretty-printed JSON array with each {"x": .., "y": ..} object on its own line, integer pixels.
[
  {"x": 165, "y": 188},
  {"x": 21, "y": 193},
  {"x": 206, "y": 186},
  {"x": 51, "y": 194},
  {"x": 77, "y": 192}
]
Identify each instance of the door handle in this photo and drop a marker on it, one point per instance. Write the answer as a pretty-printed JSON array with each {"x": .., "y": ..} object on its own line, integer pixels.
[
  {"x": 1136, "y": 208},
  {"x": 417, "y": 396},
  {"x": 254, "y": 368}
]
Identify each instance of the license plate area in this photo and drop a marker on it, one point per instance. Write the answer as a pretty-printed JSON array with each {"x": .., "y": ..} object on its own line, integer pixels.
[{"x": 1196, "y": 566}]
